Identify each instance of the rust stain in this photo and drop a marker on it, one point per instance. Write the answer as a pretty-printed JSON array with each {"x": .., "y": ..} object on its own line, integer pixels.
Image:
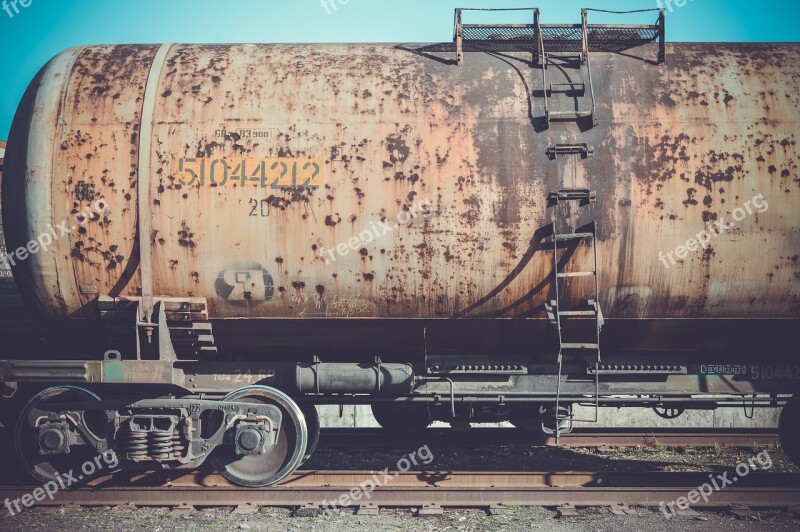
[{"x": 676, "y": 146}]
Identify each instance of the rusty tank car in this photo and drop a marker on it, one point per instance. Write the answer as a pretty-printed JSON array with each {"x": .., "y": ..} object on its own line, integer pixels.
[{"x": 530, "y": 218}]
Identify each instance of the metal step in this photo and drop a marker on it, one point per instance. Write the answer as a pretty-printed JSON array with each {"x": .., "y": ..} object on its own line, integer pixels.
[
  {"x": 571, "y": 345},
  {"x": 572, "y": 236},
  {"x": 567, "y": 87},
  {"x": 574, "y": 274},
  {"x": 571, "y": 194},
  {"x": 565, "y": 55},
  {"x": 570, "y": 114},
  {"x": 578, "y": 313},
  {"x": 566, "y": 149}
]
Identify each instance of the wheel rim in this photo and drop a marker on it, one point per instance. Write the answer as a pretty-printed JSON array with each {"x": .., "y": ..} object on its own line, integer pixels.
[
  {"x": 281, "y": 459},
  {"x": 314, "y": 427},
  {"x": 50, "y": 467}
]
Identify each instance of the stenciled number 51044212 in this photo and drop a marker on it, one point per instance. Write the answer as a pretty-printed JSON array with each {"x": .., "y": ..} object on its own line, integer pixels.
[{"x": 277, "y": 173}]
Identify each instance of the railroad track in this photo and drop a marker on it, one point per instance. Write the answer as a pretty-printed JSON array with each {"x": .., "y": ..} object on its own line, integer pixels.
[
  {"x": 376, "y": 438},
  {"x": 583, "y": 437},
  {"x": 429, "y": 490},
  {"x": 432, "y": 490}
]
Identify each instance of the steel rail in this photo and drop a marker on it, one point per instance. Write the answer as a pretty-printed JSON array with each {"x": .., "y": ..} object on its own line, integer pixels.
[
  {"x": 312, "y": 489},
  {"x": 580, "y": 437}
]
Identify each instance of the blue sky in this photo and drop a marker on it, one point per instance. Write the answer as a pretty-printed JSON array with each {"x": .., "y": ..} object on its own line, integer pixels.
[{"x": 44, "y": 28}]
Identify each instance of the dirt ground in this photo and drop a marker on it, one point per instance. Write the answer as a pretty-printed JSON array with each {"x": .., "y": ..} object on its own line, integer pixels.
[
  {"x": 280, "y": 520},
  {"x": 537, "y": 458}
]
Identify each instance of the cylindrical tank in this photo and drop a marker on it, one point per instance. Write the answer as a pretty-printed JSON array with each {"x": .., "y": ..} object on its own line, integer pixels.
[
  {"x": 387, "y": 379},
  {"x": 344, "y": 182}
]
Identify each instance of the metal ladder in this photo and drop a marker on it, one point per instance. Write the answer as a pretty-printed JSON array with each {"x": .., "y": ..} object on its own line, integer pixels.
[
  {"x": 555, "y": 311},
  {"x": 579, "y": 90}
]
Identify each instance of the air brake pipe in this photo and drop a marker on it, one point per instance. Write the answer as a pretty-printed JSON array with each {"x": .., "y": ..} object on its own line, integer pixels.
[{"x": 339, "y": 377}]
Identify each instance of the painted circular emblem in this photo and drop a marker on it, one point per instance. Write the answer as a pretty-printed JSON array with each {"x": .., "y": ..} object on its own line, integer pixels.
[{"x": 242, "y": 283}]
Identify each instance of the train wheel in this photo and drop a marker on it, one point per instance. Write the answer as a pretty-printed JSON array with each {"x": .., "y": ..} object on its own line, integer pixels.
[
  {"x": 281, "y": 459},
  {"x": 34, "y": 436},
  {"x": 314, "y": 427},
  {"x": 401, "y": 418},
  {"x": 789, "y": 429}
]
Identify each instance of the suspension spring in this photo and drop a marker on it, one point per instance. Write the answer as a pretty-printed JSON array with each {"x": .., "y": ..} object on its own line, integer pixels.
[
  {"x": 161, "y": 446},
  {"x": 178, "y": 443},
  {"x": 135, "y": 445}
]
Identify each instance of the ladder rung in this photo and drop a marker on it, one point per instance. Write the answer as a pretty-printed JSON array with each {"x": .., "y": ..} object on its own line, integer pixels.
[
  {"x": 578, "y": 313},
  {"x": 565, "y": 55},
  {"x": 574, "y": 274},
  {"x": 558, "y": 114},
  {"x": 573, "y": 236},
  {"x": 567, "y": 87},
  {"x": 579, "y": 346},
  {"x": 570, "y": 194}
]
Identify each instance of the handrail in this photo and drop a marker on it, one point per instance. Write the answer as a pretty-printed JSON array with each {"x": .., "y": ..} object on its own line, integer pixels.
[
  {"x": 584, "y": 26},
  {"x": 622, "y": 12},
  {"x": 497, "y": 25},
  {"x": 543, "y": 56},
  {"x": 459, "y": 26},
  {"x": 660, "y": 25}
]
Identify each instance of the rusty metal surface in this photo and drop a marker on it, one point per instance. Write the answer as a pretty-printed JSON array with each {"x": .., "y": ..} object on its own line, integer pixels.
[
  {"x": 676, "y": 146},
  {"x": 447, "y": 488}
]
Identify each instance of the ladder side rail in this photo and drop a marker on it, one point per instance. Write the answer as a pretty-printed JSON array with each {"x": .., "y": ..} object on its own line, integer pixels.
[
  {"x": 558, "y": 320},
  {"x": 584, "y": 37},
  {"x": 591, "y": 86},
  {"x": 596, "y": 416},
  {"x": 545, "y": 60},
  {"x": 597, "y": 327},
  {"x": 458, "y": 36},
  {"x": 584, "y": 22},
  {"x": 662, "y": 42},
  {"x": 537, "y": 36},
  {"x": 555, "y": 280}
]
